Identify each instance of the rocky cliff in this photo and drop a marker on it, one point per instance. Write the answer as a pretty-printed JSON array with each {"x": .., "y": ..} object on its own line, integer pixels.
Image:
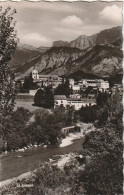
[{"x": 83, "y": 42}]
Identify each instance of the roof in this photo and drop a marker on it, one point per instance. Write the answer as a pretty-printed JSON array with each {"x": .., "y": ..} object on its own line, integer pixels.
[
  {"x": 68, "y": 127},
  {"x": 60, "y": 97},
  {"x": 35, "y": 71},
  {"x": 47, "y": 76},
  {"x": 82, "y": 100}
]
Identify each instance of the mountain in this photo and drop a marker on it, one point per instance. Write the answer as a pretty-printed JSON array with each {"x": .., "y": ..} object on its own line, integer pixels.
[
  {"x": 43, "y": 49},
  {"x": 78, "y": 75},
  {"x": 27, "y": 47},
  {"x": 60, "y": 44},
  {"x": 53, "y": 61},
  {"x": 101, "y": 60},
  {"x": 116, "y": 78},
  {"x": 108, "y": 36},
  {"x": 83, "y": 42},
  {"x": 102, "y": 56},
  {"x": 22, "y": 54}
]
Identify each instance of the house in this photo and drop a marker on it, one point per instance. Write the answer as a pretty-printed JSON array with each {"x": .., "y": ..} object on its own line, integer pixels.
[
  {"x": 76, "y": 89},
  {"x": 60, "y": 100},
  {"x": 74, "y": 102},
  {"x": 78, "y": 103},
  {"x": 94, "y": 83},
  {"x": 66, "y": 130}
]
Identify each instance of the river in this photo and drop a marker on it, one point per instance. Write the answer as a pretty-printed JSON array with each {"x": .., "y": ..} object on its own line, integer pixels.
[{"x": 16, "y": 163}]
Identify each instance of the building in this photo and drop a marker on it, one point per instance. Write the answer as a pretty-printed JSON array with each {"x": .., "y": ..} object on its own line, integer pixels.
[
  {"x": 71, "y": 82},
  {"x": 104, "y": 85},
  {"x": 35, "y": 75},
  {"x": 76, "y": 89},
  {"x": 46, "y": 80},
  {"x": 61, "y": 100},
  {"x": 66, "y": 130},
  {"x": 94, "y": 83}
]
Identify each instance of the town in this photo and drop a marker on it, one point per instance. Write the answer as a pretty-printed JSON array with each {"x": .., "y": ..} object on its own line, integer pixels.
[{"x": 82, "y": 92}]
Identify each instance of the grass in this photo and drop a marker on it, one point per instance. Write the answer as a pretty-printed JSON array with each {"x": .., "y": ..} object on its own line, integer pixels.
[{"x": 26, "y": 103}]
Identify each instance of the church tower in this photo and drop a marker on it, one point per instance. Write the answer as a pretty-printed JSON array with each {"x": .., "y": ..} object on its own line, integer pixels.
[{"x": 35, "y": 75}]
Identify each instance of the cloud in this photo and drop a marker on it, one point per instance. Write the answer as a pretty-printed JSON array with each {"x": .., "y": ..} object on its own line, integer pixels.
[
  {"x": 71, "y": 21},
  {"x": 111, "y": 14},
  {"x": 35, "y": 38}
]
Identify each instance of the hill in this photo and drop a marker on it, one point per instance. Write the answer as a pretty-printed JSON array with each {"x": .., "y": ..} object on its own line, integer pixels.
[{"x": 78, "y": 75}]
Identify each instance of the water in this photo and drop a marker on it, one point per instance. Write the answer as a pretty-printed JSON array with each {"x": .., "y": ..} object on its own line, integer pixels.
[{"x": 17, "y": 163}]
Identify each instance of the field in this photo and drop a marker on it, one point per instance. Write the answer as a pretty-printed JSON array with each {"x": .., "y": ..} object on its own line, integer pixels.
[{"x": 26, "y": 103}]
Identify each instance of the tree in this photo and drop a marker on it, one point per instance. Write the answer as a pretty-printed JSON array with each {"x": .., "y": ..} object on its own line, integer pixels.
[
  {"x": 103, "y": 151},
  {"x": 44, "y": 98},
  {"x": 8, "y": 43},
  {"x": 88, "y": 114},
  {"x": 39, "y": 99},
  {"x": 28, "y": 82},
  {"x": 15, "y": 128},
  {"x": 49, "y": 97},
  {"x": 102, "y": 98},
  {"x": 88, "y": 90},
  {"x": 63, "y": 89}
]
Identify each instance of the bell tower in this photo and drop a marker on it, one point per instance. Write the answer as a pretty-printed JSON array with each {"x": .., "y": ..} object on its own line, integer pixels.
[{"x": 35, "y": 74}]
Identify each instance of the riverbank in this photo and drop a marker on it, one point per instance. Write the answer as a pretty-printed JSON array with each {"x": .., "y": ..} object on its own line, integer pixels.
[
  {"x": 29, "y": 159},
  {"x": 59, "y": 160},
  {"x": 26, "y": 180}
]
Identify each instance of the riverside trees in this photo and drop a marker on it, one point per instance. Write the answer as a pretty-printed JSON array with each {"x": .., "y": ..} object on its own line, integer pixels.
[{"x": 103, "y": 150}]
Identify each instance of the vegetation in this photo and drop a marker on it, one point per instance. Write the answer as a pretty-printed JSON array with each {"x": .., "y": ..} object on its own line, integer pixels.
[
  {"x": 15, "y": 128},
  {"x": 104, "y": 150},
  {"x": 97, "y": 114},
  {"x": 44, "y": 98},
  {"x": 63, "y": 89},
  {"x": 97, "y": 169},
  {"x": 8, "y": 43},
  {"x": 46, "y": 128}
]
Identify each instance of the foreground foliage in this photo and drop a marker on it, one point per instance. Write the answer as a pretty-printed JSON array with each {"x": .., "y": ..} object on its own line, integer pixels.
[
  {"x": 8, "y": 43},
  {"x": 21, "y": 131},
  {"x": 97, "y": 169}
]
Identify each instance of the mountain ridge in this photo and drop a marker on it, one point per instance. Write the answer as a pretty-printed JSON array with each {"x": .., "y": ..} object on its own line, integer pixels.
[
  {"x": 83, "y": 41},
  {"x": 99, "y": 60}
]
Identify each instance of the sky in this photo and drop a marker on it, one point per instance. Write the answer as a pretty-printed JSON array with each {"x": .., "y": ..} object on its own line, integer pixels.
[{"x": 41, "y": 23}]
